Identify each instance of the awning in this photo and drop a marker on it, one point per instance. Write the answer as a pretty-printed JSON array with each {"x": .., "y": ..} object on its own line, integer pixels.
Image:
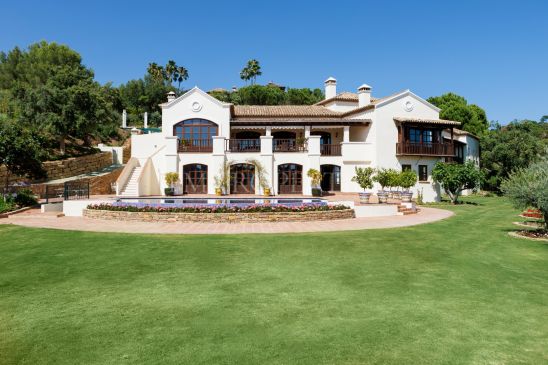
[{"x": 439, "y": 122}]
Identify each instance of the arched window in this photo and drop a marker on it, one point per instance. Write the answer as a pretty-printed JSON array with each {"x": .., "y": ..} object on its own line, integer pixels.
[{"x": 195, "y": 134}]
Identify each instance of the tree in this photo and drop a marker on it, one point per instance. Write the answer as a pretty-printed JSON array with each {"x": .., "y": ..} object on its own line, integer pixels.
[
  {"x": 52, "y": 92},
  {"x": 261, "y": 95},
  {"x": 20, "y": 152},
  {"x": 143, "y": 95},
  {"x": 455, "y": 107},
  {"x": 168, "y": 74},
  {"x": 304, "y": 96},
  {"x": 407, "y": 179},
  {"x": 363, "y": 176},
  {"x": 505, "y": 149},
  {"x": 251, "y": 71},
  {"x": 528, "y": 187},
  {"x": 455, "y": 177}
]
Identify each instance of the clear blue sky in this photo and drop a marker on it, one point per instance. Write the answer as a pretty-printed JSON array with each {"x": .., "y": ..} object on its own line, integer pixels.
[{"x": 495, "y": 53}]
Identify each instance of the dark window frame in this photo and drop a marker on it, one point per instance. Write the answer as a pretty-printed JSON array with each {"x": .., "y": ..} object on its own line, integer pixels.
[
  {"x": 423, "y": 175},
  {"x": 406, "y": 167}
]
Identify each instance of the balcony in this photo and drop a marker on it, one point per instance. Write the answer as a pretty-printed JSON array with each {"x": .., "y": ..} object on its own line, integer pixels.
[
  {"x": 330, "y": 149},
  {"x": 195, "y": 145},
  {"x": 288, "y": 145},
  {"x": 243, "y": 145},
  {"x": 425, "y": 149}
]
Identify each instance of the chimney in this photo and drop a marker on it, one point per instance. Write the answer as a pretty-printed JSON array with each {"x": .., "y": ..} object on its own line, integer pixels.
[
  {"x": 364, "y": 95},
  {"x": 330, "y": 88},
  {"x": 170, "y": 96}
]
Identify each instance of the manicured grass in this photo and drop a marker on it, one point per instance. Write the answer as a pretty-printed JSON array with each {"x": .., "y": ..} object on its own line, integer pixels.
[{"x": 460, "y": 291}]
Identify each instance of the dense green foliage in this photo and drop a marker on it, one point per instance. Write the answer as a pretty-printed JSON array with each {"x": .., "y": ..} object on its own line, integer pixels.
[
  {"x": 456, "y": 177},
  {"x": 20, "y": 151},
  {"x": 387, "y": 178},
  {"x": 507, "y": 148},
  {"x": 407, "y": 179},
  {"x": 528, "y": 187},
  {"x": 47, "y": 89},
  {"x": 458, "y": 291},
  {"x": 455, "y": 107},
  {"x": 364, "y": 177},
  {"x": 269, "y": 95},
  {"x": 140, "y": 96}
]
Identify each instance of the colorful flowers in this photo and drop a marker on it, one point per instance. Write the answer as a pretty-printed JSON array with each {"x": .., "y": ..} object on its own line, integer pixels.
[{"x": 213, "y": 208}]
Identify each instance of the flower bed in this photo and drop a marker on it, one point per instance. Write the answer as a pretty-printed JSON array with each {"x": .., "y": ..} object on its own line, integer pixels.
[
  {"x": 219, "y": 214},
  {"x": 532, "y": 213}
]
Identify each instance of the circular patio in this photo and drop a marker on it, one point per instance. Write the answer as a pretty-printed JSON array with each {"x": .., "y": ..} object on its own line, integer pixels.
[{"x": 425, "y": 215}]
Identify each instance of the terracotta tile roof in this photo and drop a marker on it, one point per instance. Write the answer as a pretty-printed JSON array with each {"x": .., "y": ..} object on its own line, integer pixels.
[
  {"x": 426, "y": 121},
  {"x": 289, "y": 114},
  {"x": 344, "y": 96},
  {"x": 462, "y": 132},
  {"x": 276, "y": 111}
]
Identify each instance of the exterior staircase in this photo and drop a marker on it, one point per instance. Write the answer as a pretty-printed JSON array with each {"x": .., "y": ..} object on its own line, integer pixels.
[
  {"x": 131, "y": 187},
  {"x": 406, "y": 209}
]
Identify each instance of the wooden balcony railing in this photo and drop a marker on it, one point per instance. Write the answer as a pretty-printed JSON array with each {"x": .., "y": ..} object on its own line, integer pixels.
[
  {"x": 425, "y": 149},
  {"x": 243, "y": 145},
  {"x": 330, "y": 149},
  {"x": 195, "y": 145},
  {"x": 288, "y": 145}
]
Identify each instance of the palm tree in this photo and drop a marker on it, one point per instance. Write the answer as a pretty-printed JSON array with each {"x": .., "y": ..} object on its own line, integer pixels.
[
  {"x": 181, "y": 74},
  {"x": 254, "y": 70},
  {"x": 156, "y": 71},
  {"x": 244, "y": 74}
]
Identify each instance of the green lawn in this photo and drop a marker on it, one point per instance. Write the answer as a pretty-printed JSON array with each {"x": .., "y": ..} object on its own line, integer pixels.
[{"x": 459, "y": 291}]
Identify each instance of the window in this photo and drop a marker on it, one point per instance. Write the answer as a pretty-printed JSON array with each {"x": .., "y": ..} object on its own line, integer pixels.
[
  {"x": 427, "y": 136},
  {"x": 406, "y": 167},
  {"x": 423, "y": 173},
  {"x": 414, "y": 135},
  {"x": 195, "y": 130}
]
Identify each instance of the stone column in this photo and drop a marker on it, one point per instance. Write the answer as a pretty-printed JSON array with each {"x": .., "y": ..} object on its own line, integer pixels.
[
  {"x": 267, "y": 160},
  {"x": 306, "y": 131},
  {"x": 346, "y": 133},
  {"x": 124, "y": 119},
  {"x": 145, "y": 124},
  {"x": 313, "y": 162},
  {"x": 218, "y": 160},
  {"x": 171, "y": 160}
]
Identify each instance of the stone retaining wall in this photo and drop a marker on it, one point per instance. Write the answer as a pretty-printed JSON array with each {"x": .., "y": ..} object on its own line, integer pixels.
[
  {"x": 68, "y": 167},
  {"x": 220, "y": 217}
]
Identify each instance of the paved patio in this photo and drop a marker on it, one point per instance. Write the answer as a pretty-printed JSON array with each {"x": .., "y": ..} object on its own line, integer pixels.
[{"x": 49, "y": 220}]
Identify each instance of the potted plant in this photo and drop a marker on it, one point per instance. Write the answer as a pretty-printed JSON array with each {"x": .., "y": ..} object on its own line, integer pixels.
[
  {"x": 364, "y": 178},
  {"x": 383, "y": 178},
  {"x": 171, "y": 178},
  {"x": 407, "y": 179},
  {"x": 301, "y": 143},
  {"x": 316, "y": 180}
]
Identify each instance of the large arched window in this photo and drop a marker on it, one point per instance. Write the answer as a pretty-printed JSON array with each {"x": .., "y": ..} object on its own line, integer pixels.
[{"x": 195, "y": 135}]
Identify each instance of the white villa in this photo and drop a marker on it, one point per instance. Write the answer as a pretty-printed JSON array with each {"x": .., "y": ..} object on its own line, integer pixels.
[{"x": 201, "y": 134}]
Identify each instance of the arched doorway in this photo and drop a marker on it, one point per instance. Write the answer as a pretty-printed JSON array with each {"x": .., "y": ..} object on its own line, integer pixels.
[
  {"x": 331, "y": 177},
  {"x": 242, "y": 179},
  {"x": 290, "y": 179},
  {"x": 195, "y": 179}
]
